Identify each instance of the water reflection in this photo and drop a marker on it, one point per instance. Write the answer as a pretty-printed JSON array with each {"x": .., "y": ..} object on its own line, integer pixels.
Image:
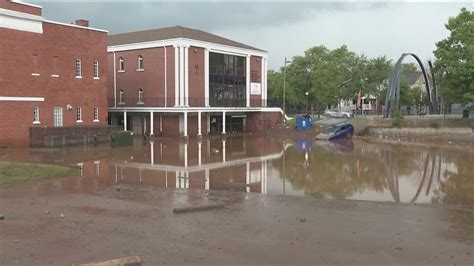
[{"x": 348, "y": 170}]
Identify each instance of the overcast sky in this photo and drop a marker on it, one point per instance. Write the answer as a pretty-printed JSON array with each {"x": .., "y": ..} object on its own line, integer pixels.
[{"x": 283, "y": 29}]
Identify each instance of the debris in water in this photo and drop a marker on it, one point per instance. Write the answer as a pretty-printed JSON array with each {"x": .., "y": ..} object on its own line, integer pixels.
[
  {"x": 399, "y": 248},
  {"x": 2, "y": 217},
  {"x": 303, "y": 219},
  {"x": 126, "y": 261},
  {"x": 16, "y": 241},
  {"x": 61, "y": 215},
  {"x": 46, "y": 212},
  {"x": 198, "y": 208},
  {"x": 117, "y": 189}
]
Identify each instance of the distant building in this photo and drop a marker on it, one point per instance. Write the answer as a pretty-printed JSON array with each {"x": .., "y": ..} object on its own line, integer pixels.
[
  {"x": 415, "y": 79},
  {"x": 179, "y": 81},
  {"x": 52, "y": 74}
]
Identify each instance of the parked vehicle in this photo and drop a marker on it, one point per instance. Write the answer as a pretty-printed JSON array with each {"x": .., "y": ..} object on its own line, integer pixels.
[
  {"x": 337, "y": 113},
  {"x": 337, "y": 131}
]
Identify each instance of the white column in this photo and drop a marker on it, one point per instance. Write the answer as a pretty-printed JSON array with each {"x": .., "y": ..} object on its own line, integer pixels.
[
  {"x": 181, "y": 76},
  {"x": 166, "y": 79},
  {"x": 262, "y": 180},
  {"x": 178, "y": 180},
  {"x": 265, "y": 177},
  {"x": 185, "y": 126},
  {"x": 262, "y": 84},
  {"x": 186, "y": 76},
  {"x": 247, "y": 176},
  {"x": 206, "y": 77},
  {"x": 199, "y": 124},
  {"x": 161, "y": 124},
  {"x": 206, "y": 182},
  {"x": 223, "y": 123},
  {"x": 115, "y": 82},
  {"x": 185, "y": 154},
  {"x": 199, "y": 153},
  {"x": 176, "y": 76},
  {"x": 152, "y": 152},
  {"x": 124, "y": 121},
  {"x": 247, "y": 87},
  {"x": 223, "y": 150},
  {"x": 152, "y": 132},
  {"x": 265, "y": 81}
]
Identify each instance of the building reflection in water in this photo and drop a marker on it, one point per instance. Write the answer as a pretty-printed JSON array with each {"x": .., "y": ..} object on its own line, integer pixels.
[
  {"x": 238, "y": 163},
  {"x": 347, "y": 170}
]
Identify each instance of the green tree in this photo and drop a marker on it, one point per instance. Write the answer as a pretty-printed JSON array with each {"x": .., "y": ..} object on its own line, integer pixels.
[
  {"x": 275, "y": 85},
  {"x": 454, "y": 65}
]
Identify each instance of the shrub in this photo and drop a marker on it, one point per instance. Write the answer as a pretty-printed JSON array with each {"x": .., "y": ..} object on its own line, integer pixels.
[
  {"x": 398, "y": 120},
  {"x": 434, "y": 123}
]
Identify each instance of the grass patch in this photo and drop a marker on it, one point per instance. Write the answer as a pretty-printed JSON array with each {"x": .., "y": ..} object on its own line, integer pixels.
[{"x": 12, "y": 172}]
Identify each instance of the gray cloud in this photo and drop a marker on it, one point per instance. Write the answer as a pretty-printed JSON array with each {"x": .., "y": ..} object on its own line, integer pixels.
[{"x": 284, "y": 29}]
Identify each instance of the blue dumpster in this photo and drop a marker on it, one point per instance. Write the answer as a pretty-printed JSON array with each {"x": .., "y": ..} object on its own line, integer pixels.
[{"x": 303, "y": 122}]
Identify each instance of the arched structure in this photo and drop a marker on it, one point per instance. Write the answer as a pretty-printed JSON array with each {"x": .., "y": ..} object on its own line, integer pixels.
[{"x": 392, "y": 100}]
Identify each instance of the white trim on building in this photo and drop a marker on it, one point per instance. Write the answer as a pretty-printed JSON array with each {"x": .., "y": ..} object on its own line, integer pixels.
[
  {"x": 21, "y": 99},
  {"x": 20, "y": 21}
]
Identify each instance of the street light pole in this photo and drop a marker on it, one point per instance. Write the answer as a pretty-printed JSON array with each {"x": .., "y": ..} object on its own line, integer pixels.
[
  {"x": 307, "y": 104},
  {"x": 284, "y": 85}
]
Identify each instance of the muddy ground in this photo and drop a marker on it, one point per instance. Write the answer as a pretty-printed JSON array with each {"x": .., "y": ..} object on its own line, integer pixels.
[{"x": 253, "y": 229}]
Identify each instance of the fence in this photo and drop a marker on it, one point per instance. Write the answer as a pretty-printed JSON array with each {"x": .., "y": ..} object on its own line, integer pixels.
[
  {"x": 191, "y": 102},
  {"x": 62, "y": 136}
]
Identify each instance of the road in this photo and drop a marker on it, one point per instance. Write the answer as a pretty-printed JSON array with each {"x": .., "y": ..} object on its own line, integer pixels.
[{"x": 123, "y": 221}]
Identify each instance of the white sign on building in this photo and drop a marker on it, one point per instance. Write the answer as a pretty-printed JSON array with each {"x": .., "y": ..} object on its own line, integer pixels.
[{"x": 255, "y": 88}]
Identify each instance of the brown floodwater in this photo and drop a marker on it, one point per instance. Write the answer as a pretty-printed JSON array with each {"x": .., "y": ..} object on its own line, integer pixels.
[{"x": 357, "y": 170}]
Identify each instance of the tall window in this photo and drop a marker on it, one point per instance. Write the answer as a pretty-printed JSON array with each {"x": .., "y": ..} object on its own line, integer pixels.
[
  {"x": 121, "y": 95},
  {"x": 79, "y": 114},
  {"x": 227, "y": 80},
  {"x": 96, "y": 114},
  {"x": 55, "y": 67},
  {"x": 121, "y": 64},
  {"x": 34, "y": 65},
  {"x": 140, "y": 96},
  {"x": 140, "y": 63},
  {"x": 36, "y": 115},
  {"x": 78, "y": 68},
  {"x": 96, "y": 69}
]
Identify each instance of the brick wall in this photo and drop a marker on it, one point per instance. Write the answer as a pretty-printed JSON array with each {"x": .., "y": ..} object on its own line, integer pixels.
[{"x": 66, "y": 44}]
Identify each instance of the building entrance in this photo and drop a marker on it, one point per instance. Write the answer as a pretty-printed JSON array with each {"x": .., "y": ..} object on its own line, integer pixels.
[{"x": 233, "y": 124}]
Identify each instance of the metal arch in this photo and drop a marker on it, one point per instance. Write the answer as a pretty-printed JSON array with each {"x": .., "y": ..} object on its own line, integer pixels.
[{"x": 393, "y": 89}]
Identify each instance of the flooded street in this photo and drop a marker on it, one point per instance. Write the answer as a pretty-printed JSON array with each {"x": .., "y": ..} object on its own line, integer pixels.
[
  {"x": 123, "y": 201},
  {"x": 357, "y": 170}
]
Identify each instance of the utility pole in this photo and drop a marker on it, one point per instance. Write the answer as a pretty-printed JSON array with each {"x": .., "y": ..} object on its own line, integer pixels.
[{"x": 284, "y": 86}]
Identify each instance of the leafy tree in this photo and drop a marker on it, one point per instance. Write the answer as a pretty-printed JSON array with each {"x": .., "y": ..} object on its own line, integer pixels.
[
  {"x": 454, "y": 65},
  {"x": 275, "y": 85},
  {"x": 328, "y": 76}
]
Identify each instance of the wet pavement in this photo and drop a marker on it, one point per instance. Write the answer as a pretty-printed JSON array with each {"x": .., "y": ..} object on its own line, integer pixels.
[{"x": 357, "y": 170}]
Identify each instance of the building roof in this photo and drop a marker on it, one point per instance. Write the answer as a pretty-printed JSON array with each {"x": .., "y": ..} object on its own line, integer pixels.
[
  {"x": 412, "y": 76},
  {"x": 173, "y": 33}
]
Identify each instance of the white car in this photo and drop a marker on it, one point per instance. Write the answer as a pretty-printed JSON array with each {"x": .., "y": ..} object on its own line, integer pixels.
[{"x": 337, "y": 113}]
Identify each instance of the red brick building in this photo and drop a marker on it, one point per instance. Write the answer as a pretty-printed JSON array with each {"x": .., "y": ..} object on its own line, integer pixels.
[
  {"x": 52, "y": 74},
  {"x": 179, "y": 81}
]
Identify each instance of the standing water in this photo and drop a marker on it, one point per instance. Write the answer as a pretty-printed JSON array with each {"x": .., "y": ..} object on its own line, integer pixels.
[{"x": 358, "y": 170}]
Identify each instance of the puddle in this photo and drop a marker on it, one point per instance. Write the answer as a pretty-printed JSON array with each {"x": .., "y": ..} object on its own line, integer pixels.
[{"x": 356, "y": 170}]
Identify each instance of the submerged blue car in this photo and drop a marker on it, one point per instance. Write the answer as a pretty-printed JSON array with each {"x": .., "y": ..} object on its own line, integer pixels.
[{"x": 337, "y": 131}]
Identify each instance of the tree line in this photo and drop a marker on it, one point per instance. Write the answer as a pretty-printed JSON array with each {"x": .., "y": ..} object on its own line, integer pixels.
[{"x": 326, "y": 75}]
